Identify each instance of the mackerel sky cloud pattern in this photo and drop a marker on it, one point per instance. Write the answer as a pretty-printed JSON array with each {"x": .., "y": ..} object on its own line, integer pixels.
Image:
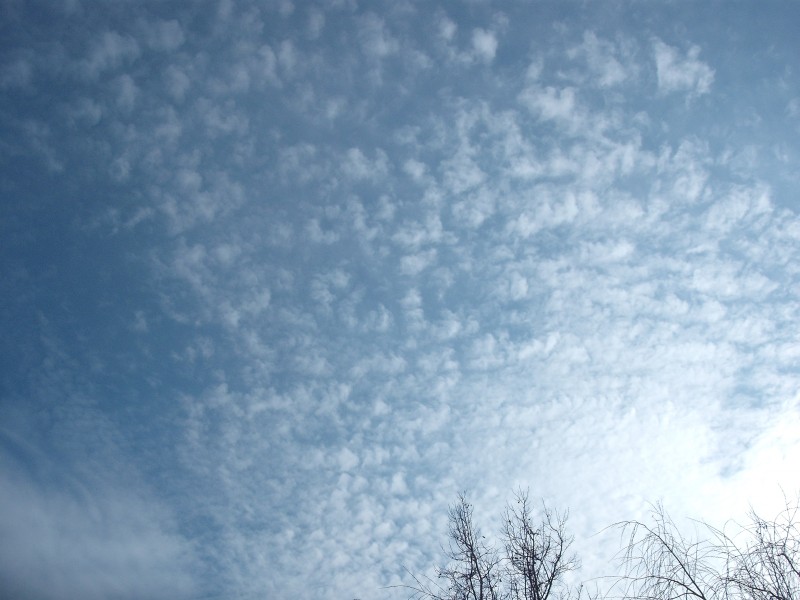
[{"x": 280, "y": 279}]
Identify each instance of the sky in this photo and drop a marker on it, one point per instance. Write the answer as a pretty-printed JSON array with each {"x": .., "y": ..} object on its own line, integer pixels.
[{"x": 279, "y": 279}]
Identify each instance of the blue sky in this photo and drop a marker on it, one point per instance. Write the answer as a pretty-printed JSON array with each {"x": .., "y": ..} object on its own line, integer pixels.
[{"x": 280, "y": 279}]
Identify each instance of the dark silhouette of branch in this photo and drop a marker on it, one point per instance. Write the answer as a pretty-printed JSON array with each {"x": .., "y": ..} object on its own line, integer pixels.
[
  {"x": 757, "y": 561},
  {"x": 531, "y": 566},
  {"x": 537, "y": 553}
]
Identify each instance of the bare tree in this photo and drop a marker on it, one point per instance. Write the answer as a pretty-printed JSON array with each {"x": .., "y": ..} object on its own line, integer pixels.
[
  {"x": 537, "y": 553},
  {"x": 474, "y": 569},
  {"x": 659, "y": 563},
  {"x": 756, "y": 561},
  {"x": 767, "y": 565},
  {"x": 759, "y": 560},
  {"x": 532, "y": 565}
]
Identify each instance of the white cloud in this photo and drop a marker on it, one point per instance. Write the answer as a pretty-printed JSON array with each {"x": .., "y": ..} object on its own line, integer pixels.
[
  {"x": 416, "y": 234},
  {"x": 357, "y": 166},
  {"x": 109, "y": 51},
  {"x": 85, "y": 112},
  {"x": 127, "y": 93},
  {"x": 359, "y": 271},
  {"x": 16, "y": 74},
  {"x": 83, "y": 532},
  {"x": 603, "y": 60},
  {"x": 316, "y": 23},
  {"x": 484, "y": 44},
  {"x": 414, "y": 264},
  {"x": 316, "y": 234},
  {"x": 552, "y": 103},
  {"x": 681, "y": 73},
  {"x": 164, "y": 36},
  {"x": 447, "y": 28},
  {"x": 462, "y": 172},
  {"x": 347, "y": 460},
  {"x": 176, "y": 82},
  {"x": 288, "y": 58},
  {"x": 415, "y": 169},
  {"x": 376, "y": 39},
  {"x": 38, "y": 137}
]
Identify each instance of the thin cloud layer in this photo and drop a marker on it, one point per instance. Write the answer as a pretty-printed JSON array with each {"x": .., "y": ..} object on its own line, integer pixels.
[{"x": 283, "y": 279}]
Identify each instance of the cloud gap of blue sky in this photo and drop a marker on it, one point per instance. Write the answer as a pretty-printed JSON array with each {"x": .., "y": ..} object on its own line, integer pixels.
[{"x": 280, "y": 279}]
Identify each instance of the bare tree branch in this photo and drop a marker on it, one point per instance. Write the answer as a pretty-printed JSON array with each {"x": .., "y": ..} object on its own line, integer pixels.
[
  {"x": 532, "y": 565},
  {"x": 537, "y": 553},
  {"x": 758, "y": 562}
]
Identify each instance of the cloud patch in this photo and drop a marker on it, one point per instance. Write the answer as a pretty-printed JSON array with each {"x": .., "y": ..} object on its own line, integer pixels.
[{"x": 679, "y": 72}]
